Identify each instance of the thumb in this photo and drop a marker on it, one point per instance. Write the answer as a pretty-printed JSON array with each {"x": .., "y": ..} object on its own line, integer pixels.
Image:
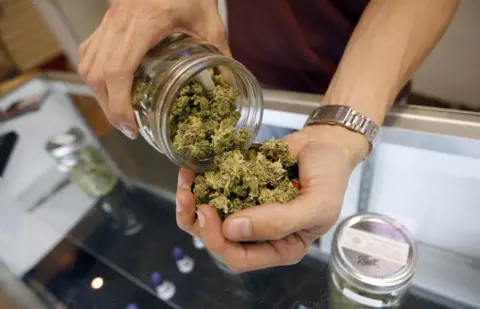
[{"x": 273, "y": 221}]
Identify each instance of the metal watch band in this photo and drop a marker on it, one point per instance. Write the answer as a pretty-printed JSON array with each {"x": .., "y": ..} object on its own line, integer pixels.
[{"x": 347, "y": 117}]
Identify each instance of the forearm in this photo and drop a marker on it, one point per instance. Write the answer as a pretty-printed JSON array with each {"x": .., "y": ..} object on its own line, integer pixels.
[{"x": 387, "y": 46}]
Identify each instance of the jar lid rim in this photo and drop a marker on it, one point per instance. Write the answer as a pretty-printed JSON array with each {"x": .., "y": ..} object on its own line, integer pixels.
[
  {"x": 65, "y": 143},
  {"x": 397, "y": 279}
]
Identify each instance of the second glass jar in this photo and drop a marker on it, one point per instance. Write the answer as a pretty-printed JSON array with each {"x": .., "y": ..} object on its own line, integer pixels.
[{"x": 166, "y": 69}]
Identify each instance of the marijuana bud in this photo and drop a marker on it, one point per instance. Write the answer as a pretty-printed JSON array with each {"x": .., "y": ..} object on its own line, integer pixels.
[
  {"x": 202, "y": 123},
  {"x": 248, "y": 179}
]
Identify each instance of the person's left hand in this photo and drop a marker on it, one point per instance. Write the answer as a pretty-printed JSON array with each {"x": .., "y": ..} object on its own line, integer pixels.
[{"x": 327, "y": 155}]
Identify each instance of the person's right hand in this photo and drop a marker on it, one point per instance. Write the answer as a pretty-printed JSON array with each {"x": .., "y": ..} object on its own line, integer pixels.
[{"x": 110, "y": 56}]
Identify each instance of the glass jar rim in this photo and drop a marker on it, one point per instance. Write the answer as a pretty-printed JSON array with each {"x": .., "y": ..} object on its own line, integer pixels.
[{"x": 182, "y": 72}]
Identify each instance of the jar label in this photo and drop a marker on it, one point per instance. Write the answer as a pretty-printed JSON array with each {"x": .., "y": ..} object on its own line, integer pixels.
[{"x": 376, "y": 246}]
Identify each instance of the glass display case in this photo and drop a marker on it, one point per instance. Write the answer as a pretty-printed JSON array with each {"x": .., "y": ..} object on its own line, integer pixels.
[{"x": 425, "y": 173}]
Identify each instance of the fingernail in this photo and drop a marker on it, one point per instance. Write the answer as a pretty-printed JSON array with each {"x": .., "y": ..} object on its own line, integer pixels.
[
  {"x": 239, "y": 228},
  {"x": 128, "y": 132},
  {"x": 178, "y": 207},
  {"x": 201, "y": 219}
]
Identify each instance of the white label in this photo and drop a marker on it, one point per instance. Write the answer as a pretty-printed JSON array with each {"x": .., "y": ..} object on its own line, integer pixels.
[
  {"x": 166, "y": 290},
  {"x": 362, "y": 299},
  {"x": 376, "y": 246},
  {"x": 185, "y": 265}
]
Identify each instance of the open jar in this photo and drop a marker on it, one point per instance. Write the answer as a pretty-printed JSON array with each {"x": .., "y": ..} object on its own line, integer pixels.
[
  {"x": 162, "y": 74},
  {"x": 373, "y": 260}
]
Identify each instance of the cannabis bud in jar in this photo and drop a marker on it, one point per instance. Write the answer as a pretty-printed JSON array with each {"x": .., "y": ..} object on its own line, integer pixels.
[
  {"x": 264, "y": 174},
  {"x": 203, "y": 121},
  {"x": 190, "y": 112}
]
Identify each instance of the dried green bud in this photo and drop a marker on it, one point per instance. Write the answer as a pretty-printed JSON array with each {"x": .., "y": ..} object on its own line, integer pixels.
[
  {"x": 278, "y": 151},
  {"x": 202, "y": 123},
  {"x": 221, "y": 203},
  {"x": 247, "y": 180},
  {"x": 202, "y": 190}
]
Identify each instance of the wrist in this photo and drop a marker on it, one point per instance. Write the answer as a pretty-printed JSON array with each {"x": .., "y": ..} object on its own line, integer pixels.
[
  {"x": 374, "y": 109},
  {"x": 354, "y": 146}
]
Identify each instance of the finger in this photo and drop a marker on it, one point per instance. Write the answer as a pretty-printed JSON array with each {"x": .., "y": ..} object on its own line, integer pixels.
[
  {"x": 98, "y": 77},
  {"x": 127, "y": 45},
  {"x": 245, "y": 257},
  {"x": 185, "y": 212},
  {"x": 85, "y": 44},
  {"x": 274, "y": 221},
  {"x": 91, "y": 74},
  {"x": 185, "y": 179},
  {"x": 88, "y": 50}
]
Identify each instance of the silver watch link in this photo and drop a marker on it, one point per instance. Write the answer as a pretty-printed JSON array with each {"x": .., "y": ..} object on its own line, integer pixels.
[{"x": 346, "y": 117}]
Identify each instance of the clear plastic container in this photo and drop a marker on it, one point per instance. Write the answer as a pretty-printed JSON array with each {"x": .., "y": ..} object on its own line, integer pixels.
[
  {"x": 166, "y": 69},
  {"x": 374, "y": 259}
]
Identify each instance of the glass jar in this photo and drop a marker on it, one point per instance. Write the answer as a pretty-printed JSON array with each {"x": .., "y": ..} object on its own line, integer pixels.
[
  {"x": 83, "y": 162},
  {"x": 166, "y": 69},
  {"x": 373, "y": 260}
]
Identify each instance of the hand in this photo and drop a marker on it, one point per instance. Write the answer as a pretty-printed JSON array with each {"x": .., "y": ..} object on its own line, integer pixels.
[
  {"x": 327, "y": 155},
  {"x": 110, "y": 56}
]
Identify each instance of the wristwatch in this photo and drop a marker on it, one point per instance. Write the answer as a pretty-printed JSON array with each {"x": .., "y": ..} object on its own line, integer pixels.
[{"x": 346, "y": 117}]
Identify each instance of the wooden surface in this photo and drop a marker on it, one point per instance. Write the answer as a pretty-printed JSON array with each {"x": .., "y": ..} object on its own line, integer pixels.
[
  {"x": 13, "y": 83},
  {"x": 93, "y": 114}
]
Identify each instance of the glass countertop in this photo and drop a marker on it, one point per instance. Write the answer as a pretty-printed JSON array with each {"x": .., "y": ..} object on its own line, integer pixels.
[
  {"x": 100, "y": 247},
  {"x": 424, "y": 173}
]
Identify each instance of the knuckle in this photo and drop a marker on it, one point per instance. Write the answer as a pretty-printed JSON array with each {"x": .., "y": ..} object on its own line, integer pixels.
[
  {"x": 114, "y": 10},
  {"x": 82, "y": 69},
  {"x": 297, "y": 258},
  {"x": 114, "y": 70},
  {"x": 293, "y": 258},
  {"x": 94, "y": 79},
  {"x": 146, "y": 10},
  {"x": 117, "y": 15}
]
